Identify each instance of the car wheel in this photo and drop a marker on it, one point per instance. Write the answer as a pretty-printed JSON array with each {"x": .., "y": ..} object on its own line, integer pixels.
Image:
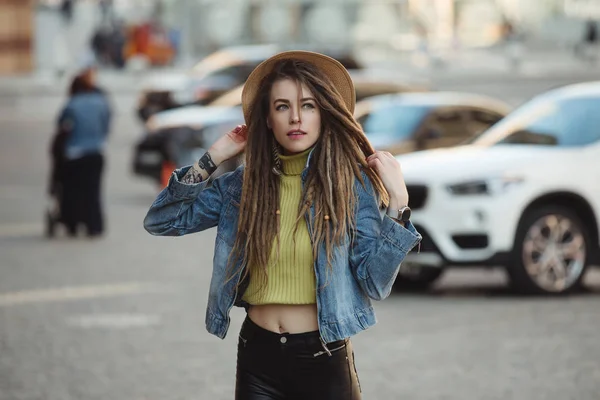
[
  {"x": 551, "y": 252},
  {"x": 413, "y": 277}
]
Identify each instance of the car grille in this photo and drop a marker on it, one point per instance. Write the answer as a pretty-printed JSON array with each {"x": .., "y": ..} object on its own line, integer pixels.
[
  {"x": 471, "y": 241},
  {"x": 417, "y": 196}
]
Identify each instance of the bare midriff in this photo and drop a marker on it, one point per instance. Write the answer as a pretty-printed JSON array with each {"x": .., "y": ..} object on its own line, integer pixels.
[{"x": 285, "y": 318}]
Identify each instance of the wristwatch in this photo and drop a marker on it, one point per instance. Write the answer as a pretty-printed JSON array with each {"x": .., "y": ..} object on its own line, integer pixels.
[
  {"x": 206, "y": 163},
  {"x": 402, "y": 215}
]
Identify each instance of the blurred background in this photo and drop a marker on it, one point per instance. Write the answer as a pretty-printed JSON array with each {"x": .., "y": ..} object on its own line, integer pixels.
[{"x": 491, "y": 106}]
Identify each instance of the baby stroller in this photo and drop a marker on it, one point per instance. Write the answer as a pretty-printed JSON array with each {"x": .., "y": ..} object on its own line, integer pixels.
[{"x": 55, "y": 185}]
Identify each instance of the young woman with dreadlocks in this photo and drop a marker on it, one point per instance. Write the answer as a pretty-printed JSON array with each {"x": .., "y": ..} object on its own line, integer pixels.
[{"x": 301, "y": 242}]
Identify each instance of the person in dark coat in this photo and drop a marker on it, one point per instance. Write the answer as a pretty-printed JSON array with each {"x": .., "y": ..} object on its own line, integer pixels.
[
  {"x": 591, "y": 33},
  {"x": 78, "y": 152}
]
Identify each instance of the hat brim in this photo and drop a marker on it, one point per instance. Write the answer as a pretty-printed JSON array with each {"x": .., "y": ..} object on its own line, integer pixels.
[{"x": 332, "y": 68}]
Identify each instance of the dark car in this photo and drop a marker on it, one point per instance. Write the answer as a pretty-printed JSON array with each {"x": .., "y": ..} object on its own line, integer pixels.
[
  {"x": 179, "y": 137},
  {"x": 407, "y": 122}
]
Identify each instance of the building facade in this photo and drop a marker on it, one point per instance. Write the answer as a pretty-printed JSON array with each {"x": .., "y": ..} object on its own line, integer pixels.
[
  {"x": 39, "y": 37},
  {"x": 16, "y": 36}
]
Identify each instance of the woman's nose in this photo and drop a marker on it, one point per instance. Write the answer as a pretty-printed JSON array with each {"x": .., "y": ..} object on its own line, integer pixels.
[{"x": 295, "y": 116}]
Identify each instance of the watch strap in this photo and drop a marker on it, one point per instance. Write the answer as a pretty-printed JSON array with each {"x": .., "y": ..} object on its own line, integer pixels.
[
  {"x": 206, "y": 163},
  {"x": 393, "y": 213}
]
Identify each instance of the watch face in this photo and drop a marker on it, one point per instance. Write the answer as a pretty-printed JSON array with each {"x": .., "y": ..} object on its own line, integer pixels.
[{"x": 405, "y": 214}]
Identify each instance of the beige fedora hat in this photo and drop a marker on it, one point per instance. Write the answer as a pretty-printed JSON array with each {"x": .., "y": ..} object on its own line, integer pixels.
[{"x": 333, "y": 69}]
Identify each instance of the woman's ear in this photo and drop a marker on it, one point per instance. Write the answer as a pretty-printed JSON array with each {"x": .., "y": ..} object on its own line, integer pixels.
[{"x": 268, "y": 123}]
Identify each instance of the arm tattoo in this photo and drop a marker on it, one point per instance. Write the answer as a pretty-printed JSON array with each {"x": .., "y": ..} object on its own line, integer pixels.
[{"x": 192, "y": 177}]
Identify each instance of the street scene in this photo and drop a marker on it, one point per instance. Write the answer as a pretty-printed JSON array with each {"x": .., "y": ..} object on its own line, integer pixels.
[{"x": 119, "y": 314}]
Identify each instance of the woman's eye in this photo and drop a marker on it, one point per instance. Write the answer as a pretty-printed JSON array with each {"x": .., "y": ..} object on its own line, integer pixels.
[
  {"x": 281, "y": 107},
  {"x": 308, "y": 105}
]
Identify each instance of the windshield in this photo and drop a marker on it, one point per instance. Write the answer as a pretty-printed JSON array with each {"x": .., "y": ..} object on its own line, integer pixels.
[
  {"x": 393, "y": 120},
  {"x": 553, "y": 122}
]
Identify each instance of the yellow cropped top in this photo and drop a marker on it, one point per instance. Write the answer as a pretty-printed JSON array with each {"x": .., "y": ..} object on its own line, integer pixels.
[{"x": 291, "y": 277}]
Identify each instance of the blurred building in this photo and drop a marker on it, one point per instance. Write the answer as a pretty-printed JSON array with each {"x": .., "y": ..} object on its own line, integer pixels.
[
  {"x": 16, "y": 36},
  {"x": 36, "y": 35},
  {"x": 399, "y": 25}
]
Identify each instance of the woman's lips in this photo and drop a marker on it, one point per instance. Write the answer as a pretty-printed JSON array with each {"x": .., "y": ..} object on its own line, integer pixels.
[{"x": 296, "y": 132}]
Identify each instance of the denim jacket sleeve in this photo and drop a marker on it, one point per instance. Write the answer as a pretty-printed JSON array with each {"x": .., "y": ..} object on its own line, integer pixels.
[
  {"x": 181, "y": 209},
  {"x": 379, "y": 244}
]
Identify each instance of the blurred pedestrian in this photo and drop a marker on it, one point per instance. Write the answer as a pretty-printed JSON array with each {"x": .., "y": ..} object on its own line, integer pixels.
[
  {"x": 66, "y": 10},
  {"x": 422, "y": 50},
  {"x": 513, "y": 44},
  {"x": 100, "y": 44},
  {"x": 302, "y": 240},
  {"x": 106, "y": 10},
  {"x": 589, "y": 45},
  {"x": 84, "y": 126}
]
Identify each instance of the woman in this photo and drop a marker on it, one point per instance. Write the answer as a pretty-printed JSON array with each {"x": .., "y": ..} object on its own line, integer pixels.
[
  {"x": 301, "y": 243},
  {"x": 84, "y": 125}
]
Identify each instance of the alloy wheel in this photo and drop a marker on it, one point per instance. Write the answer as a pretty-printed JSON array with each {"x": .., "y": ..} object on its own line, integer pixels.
[{"x": 554, "y": 252}]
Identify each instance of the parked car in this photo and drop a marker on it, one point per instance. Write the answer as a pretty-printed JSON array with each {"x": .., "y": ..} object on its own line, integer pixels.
[
  {"x": 178, "y": 137},
  {"x": 215, "y": 75},
  {"x": 524, "y": 195},
  {"x": 211, "y": 77},
  {"x": 407, "y": 122},
  {"x": 171, "y": 144}
]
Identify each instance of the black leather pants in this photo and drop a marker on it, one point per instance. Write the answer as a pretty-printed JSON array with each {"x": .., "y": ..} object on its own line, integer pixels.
[{"x": 273, "y": 366}]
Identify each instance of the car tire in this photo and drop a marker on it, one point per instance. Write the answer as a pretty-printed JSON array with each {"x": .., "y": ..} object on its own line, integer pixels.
[
  {"x": 541, "y": 244},
  {"x": 417, "y": 278}
]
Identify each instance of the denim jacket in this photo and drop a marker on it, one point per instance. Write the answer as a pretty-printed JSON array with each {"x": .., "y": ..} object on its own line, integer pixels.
[
  {"x": 87, "y": 116},
  {"x": 363, "y": 269}
]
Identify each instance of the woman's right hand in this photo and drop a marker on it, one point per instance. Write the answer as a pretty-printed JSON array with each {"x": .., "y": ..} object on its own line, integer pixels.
[{"x": 230, "y": 145}]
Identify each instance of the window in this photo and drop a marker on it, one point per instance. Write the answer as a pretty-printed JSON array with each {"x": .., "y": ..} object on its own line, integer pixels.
[
  {"x": 229, "y": 76},
  {"x": 392, "y": 120},
  {"x": 568, "y": 122},
  {"x": 480, "y": 120},
  {"x": 446, "y": 123},
  {"x": 485, "y": 117}
]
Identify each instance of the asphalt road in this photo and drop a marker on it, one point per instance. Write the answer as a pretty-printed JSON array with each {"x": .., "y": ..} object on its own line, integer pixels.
[{"x": 122, "y": 318}]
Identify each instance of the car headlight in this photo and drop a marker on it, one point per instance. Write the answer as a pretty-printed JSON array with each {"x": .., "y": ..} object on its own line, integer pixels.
[{"x": 489, "y": 186}]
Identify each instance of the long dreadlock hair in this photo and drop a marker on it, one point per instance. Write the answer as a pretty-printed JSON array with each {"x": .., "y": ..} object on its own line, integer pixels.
[{"x": 338, "y": 155}]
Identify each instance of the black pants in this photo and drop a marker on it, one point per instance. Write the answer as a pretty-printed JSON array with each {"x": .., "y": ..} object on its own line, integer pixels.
[
  {"x": 286, "y": 366},
  {"x": 81, "y": 194}
]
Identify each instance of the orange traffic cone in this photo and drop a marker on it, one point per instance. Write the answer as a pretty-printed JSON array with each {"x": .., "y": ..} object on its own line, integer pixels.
[{"x": 165, "y": 174}]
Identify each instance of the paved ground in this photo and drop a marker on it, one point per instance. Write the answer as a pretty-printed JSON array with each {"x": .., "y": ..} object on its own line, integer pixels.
[{"x": 122, "y": 318}]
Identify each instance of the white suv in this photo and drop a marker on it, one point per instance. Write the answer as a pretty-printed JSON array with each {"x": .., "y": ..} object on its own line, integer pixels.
[{"x": 525, "y": 195}]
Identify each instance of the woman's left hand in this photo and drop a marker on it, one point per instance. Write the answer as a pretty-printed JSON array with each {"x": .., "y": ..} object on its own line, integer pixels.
[{"x": 390, "y": 173}]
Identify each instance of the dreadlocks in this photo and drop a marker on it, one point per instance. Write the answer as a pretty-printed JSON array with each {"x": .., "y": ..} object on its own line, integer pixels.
[{"x": 335, "y": 163}]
